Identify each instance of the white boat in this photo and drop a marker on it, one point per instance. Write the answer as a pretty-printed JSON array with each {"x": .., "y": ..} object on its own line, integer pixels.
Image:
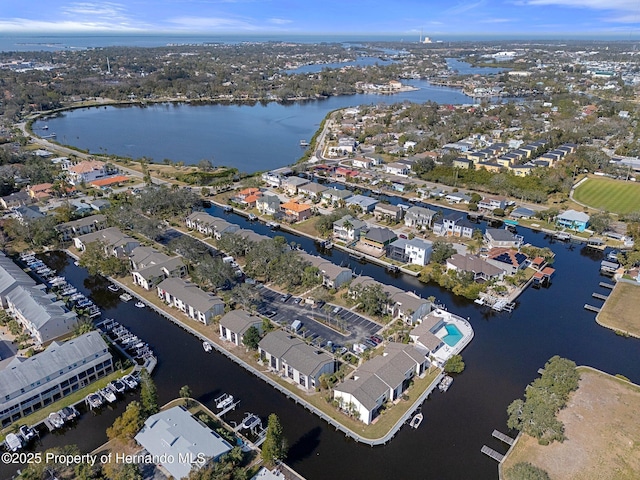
[
  {"x": 416, "y": 420},
  {"x": 445, "y": 383},
  {"x": 250, "y": 421},
  {"x": 14, "y": 442},
  {"x": 130, "y": 381},
  {"x": 27, "y": 432},
  {"x": 207, "y": 346},
  {"x": 252, "y": 217},
  {"x": 224, "y": 401},
  {"x": 94, "y": 400},
  {"x": 56, "y": 420},
  {"x": 118, "y": 386},
  {"x": 140, "y": 305},
  {"x": 76, "y": 263},
  {"x": 125, "y": 297},
  {"x": 113, "y": 288},
  {"x": 108, "y": 395}
]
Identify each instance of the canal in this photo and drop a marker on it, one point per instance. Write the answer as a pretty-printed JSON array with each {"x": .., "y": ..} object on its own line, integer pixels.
[{"x": 503, "y": 357}]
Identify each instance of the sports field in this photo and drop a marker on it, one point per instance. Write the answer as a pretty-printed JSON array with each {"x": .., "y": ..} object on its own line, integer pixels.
[{"x": 615, "y": 196}]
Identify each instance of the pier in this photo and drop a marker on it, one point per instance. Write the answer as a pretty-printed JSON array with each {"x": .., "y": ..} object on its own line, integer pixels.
[
  {"x": 599, "y": 296},
  {"x": 606, "y": 285},
  {"x": 503, "y": 438},
  {"x": 497, "y": 456},
  {"x": 591, "y": 308}
]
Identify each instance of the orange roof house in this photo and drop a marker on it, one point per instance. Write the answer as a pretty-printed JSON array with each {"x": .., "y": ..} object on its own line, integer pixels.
[
  {"x": 104, "y": 182},
  {"x": 298, "y": 211},
  {"x": 248, "y": 191},
  {"x": 41, "y": 191}
]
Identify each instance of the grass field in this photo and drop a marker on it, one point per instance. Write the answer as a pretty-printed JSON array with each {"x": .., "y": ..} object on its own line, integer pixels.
[
  {"x": 620, "y": 311},
  {"x": 615, "y": 196}
]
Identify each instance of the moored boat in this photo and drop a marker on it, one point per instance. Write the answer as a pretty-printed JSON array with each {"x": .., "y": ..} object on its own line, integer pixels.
[
  {"x": 416, "y": 420},
  {"x": 56, "y": 420},
  {"x": 94, "y": 400},
  {"x": 207, "y": 346},
  {"x": 250, "y": 421},
  {"x": 13, "y": 442},
  {"x": 445, "y": 383},
  {"x": 125, "y": 297}
]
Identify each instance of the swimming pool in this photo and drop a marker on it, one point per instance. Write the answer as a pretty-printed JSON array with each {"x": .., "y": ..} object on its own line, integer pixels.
[{"x": 453, "y": 335}]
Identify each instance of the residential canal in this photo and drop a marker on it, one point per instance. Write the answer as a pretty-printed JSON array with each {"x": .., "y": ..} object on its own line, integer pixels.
[
  {"x": 503, "y": 357},
  {"x": 250, "y": 138}
]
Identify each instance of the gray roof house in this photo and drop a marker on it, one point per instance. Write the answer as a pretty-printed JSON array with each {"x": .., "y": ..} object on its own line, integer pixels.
[
  {"x": 381, "y": 379},
  {"x": 15, "y": 199},
  {"x": 297, "y": 360},
  {"x": 194, "y": 302},
  {"x": 408, "y": 306},
  {"x": 26, "y": 384},
  {"x": 364, "y": 203},
  {"x": 234, "y": 324},
  {"x": 333, "y": 276},
  {"x": 335, "y": 195},
  {"x": 386, "y": 211},
  {"x": 200, "y": 221},
  {"x": 349, "y": 232},
  {"x": 40, "y": 313},
  {"x": 268, "y": 204},
  {"x": 481, "y": 269},
  {"x": 419, "y": 217},
  {"x": 82, "y": 226},
  {"x": 424, "y": 334},
  {"x": 379, "y": 237},
  {"x": 500, "y": 237},
  {"x": 11, "y": 276},
  {"x": 175, "y": 434},
  {"x": 454, "y": 225},
  {"x": 416, "y": 251},
  {"x": 522, "y": 212},
  {"x": 150, "y": 267},
  {"x": 117, "y": 244},
  {"x": 292, "y": 184},
  {"x": 312, "y": 189}
]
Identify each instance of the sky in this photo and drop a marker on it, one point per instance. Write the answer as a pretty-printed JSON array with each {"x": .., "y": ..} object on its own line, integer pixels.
[{"x": 438, "y": 19}]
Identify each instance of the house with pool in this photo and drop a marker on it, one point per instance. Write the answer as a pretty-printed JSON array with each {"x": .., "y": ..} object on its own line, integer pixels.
[{"x": 443, "y": 334}]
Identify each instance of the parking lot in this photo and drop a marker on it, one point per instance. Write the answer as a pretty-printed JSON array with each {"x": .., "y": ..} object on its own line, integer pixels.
[{"x": 286, "y": 312}]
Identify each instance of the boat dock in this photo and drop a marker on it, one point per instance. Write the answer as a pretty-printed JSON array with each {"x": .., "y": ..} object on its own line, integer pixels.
[
  {"x": 599, "y": 296},
  {"x": 503, "y": 438},
  {"x": 606, "y": 285},
  {"x": 497, "y": 456},
  {"x": 591, "y": 308}
]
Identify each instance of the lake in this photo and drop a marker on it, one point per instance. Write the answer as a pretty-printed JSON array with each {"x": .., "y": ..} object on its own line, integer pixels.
[{"x": 249, "y": 137}]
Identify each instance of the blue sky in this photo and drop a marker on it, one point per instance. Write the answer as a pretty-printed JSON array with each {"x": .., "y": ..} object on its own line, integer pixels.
[{"x": 436, "y": 18}]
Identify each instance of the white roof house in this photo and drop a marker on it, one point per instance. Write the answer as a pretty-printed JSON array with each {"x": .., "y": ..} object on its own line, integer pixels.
[{"x": 175, "y": 434}]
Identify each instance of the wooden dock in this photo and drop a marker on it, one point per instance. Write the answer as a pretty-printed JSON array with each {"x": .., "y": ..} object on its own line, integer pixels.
[
  {"x": 591, "y": 308},
  {"x": 606, "y": 285},
  {"x": 503, "y": 438},
  {"x": 599, "y": 296},
  {"x": 497, "y": 456},
  {"x": 540, "y": 371}
]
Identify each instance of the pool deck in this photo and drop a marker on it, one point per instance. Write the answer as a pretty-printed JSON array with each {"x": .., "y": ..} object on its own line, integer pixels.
[{"x": 446, "y": 351}]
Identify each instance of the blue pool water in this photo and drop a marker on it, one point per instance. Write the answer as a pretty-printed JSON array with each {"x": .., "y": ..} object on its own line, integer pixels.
[{"x": 453, "y": 335}]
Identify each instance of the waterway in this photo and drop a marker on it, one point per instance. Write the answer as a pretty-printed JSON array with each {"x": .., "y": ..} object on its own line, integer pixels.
[
  {"x": 248, "y": 137},
  {"x": 359, "y": 62},
  {"x": 465, "y": 68},
  {"x": 503, "y": 357}
]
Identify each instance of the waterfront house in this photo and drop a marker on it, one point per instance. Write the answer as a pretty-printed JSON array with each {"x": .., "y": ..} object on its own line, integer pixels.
[
  {"x": 416, "y": 251},
  {"x": 295, "y": 359},
  {"x": 28, "y": 384},
  {"x": 41, "y": 314},
  {"x": 362, "y": 202},
  {"x": 397, "y": 168},
  {"x": 457, "y": 197},
  {"x": 268, "y": 204},
  {"x": 15, "y": 199},
  {"x": 312, "y": 190},
  {"x": 500, "y": 237},
  {"x": 388, "y": 212},
  {"x": 362, "y": 162},
  {"x": 348, "y": 229},
  {"x": 380, "y": 380},
  {"x": 201, "y": 222},
  {"x": 180, "y": 443},
  {"x": 573, "y": 220},
  {"x": 219, "y": 227},
  {"x": 378, "y": 238},
  {"x": 522, "y": 212},
  {"x": 491, "y": 203},
  {"x": 116, "y": 243},
  {"x": 194, "y": 302},
  {"x": 272, "y": 179},
  {"x": 295, "y": 211},
  {"x": 344, "y": 172},
  {"x": 291, "y": 184},
  {"x": 419, "y": 217},
  {"x": 482, "y": 270},
  {"x": 87, "y": 171},
  {"x": 234, "y": 324},
  {"x": 335, "y": 195},
  {"x": 424, "y": 334},
  {"x": 454, "y": 224},
  {"x": 508, "y": 259},
  {"x": 11, "y": 276},
  {"x": 332, "y": 275},
  {"x": 251, "y": 236},
  {"x": 150, "y": 267},
  {"x": 407, "y": 306}
]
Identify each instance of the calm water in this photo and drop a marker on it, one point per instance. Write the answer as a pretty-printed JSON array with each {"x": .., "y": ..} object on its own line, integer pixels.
[
  {"x": 251, "y": 138},
  {"x": 465, "y": 68},
  {"x": 502, "y": 358},
  {"x": 360, "y": 62}
]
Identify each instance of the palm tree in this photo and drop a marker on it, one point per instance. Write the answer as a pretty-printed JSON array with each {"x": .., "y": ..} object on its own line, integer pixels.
[{"x": 185, "y": 393}]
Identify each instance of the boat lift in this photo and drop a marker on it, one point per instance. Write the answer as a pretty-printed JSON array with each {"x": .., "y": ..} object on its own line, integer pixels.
[{"x": 227, "y": 408}]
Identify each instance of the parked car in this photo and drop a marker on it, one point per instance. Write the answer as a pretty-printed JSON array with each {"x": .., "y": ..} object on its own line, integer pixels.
[
  {"x": 285, "y": 297},
  {"x": 297, "y": 300}
]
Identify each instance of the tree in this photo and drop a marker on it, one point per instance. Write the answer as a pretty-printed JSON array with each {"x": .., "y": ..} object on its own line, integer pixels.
[
  {"x": 274, "y": 447},
  {"x": 454, "y": 364},
  {"x": 246, "y": 295},
  {"x": 185, "y": 393},
  {"x": 148, "y": 394},
  {"x": 600, "y": 222},
  {"x": 127, "y": 425},
  {"x": 526, "y": 471},
  {"x": 441, "y": 252},
  {"x": 251, "y": 338}
]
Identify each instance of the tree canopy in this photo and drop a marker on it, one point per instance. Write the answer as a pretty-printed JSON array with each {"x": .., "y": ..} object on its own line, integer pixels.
[{"x": 274, "y": 447}]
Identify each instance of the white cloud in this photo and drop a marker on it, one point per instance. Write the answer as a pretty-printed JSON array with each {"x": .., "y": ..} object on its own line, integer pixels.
[
  {"x": 463, "y": 7},
  {"x": 205, "y": 23},
  {"x": 280, "y": 21},
  {"x": 496, "y": 20},
  {"x": 27, "y": 26}
]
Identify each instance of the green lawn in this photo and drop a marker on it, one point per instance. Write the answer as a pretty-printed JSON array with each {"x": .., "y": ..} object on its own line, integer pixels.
[{"x": 615, "y": 196}]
